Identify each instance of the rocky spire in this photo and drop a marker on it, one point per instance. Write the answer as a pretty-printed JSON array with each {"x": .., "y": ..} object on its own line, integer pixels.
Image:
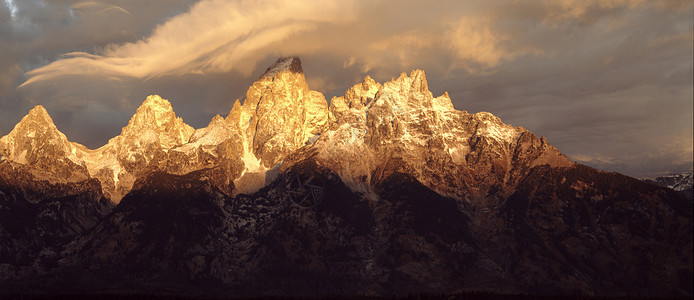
[
  {"x": 31, "y": 134},
  {"x": 378, "y": 130},
  {"x": 280, "y": 113},
  {"x": 152, "y": 130},
  {"x": 156, "y": 115},
  {"x": 37, "y": 142},
  {"x": 373, "y": 130},
  {"x": 39, "y": 115},
  {"x": 284, "y": 64}
]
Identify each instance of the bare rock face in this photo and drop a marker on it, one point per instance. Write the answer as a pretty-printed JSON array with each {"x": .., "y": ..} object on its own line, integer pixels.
[
  {"x": 47, "y": 196},
  {"x": 370, "y": 133},
  {"x": 150, "y": 133},
  {"x": 376, "y": 130},
  {"x": 36, "y": 141},
  {"x": 214, "y": 148},
  {"x": 280, "y": 113},
  {"x": 155, "y": 123},
  {"x": 388, "y": 191}
]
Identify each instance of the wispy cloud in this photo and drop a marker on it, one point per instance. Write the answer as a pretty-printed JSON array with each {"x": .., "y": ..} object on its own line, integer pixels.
[
  {"x": 214, "y": 35},
  {"x": 97, "y": 7},
  {"x": 12, "y": 7},
  {"x": 602, "y": 79}
]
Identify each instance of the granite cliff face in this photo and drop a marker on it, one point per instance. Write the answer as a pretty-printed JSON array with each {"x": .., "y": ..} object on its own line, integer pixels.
[
  {"x": 36, "y": 142},
  {"x": 387, "y": 191},
  {"x": 279, "y": 115},
  {"x": 377, "y": 130},
  {"x": 150, "y": 133}
]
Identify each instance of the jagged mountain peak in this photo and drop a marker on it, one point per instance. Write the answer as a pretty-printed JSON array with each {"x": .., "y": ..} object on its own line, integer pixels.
[
  {"x": 355, "y": 101},
  {"x": 368, "y": 85},
  {"x": 215, "y": 119},
  {"x": 235, "y": 112},
  {"x": 216, "y": 131},
  {"x": 443, "y": 102},
  {"x": 37, "y": 126},
  {"x": 281, "y": 114},
  {"x": 417, "y": 81},
  {"x": 152, "y": 131},
  {"x": 154, "y": 110},
  {"x": 39, "y": 113},
  {"x": 37, "y": 118},
  {"x": 393, "y": 181},
  {"x": 36, "y": 141},
  {"x": 367, "y": 88},
  {"x": 411, "y": 90},
  {"x": 400, "y": 127},
  {"x": 156, "y": 103},
  {"x": 284, "y": 64},
  {"x": 156, "y": 115}
]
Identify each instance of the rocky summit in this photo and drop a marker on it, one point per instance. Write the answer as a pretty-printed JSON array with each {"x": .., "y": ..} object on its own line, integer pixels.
[{"x": 386, "y": 191}]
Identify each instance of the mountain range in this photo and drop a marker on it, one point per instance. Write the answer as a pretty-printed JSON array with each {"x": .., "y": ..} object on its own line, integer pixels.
[
  {"x": 683, "y": 182},
  {"x": 387, "y": 190}
]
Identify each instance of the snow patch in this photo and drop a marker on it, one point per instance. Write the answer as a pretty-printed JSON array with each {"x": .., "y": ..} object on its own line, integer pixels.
[
  {"x": 252, "y": 163},
  {"x": 22, "y": 157},
  {"x": 116, "y": 172},
  {"x": 249, "y": 182},
  {"x": 499, "y": 132},
  {"x": 312, "y": 139}
]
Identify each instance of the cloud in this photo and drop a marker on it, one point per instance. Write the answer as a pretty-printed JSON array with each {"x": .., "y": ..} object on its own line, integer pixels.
[
  {"x": 36, "y": 32},
  {"x": 477, "y": 47},
  {"x": 98, "y": 7},
  {"x": 601, "y": 79},
  {"x": 214, "y": 36},
  {"x": 563, "y": 10},
  {"x": 219, "y": 36},
  {"x": 12, "y": 7}
]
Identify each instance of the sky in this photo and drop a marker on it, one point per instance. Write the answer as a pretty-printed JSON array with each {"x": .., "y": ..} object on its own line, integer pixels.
[{"x": 607, "y": 82}]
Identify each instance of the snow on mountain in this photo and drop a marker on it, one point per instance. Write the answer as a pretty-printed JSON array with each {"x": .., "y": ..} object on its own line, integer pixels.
[
  {"x": 150, "y": 133},
  {"x": 677, "y": 182},
  {"x": 686, "y": 181},
  {"x": 377, "y": 130},
  {"x": 37, "y": 142},
  {"x": 279, "y": 115},
  {"x": 369, "y": 133},
  {"x": 683, "y": 182},
  {"x": 216, "y": 132},
  {"x": 428, "y": 199},
  {"x": 156, "y": 122}
]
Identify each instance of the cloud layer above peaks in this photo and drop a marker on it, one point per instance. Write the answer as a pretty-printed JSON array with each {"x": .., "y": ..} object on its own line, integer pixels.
[
  {"x": 214, "y": 36},
  {"x": 607, "y": 82}
]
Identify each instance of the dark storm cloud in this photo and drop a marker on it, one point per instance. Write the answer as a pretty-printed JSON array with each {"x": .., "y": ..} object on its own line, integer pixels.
[{"x": 608, "y": 82}]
